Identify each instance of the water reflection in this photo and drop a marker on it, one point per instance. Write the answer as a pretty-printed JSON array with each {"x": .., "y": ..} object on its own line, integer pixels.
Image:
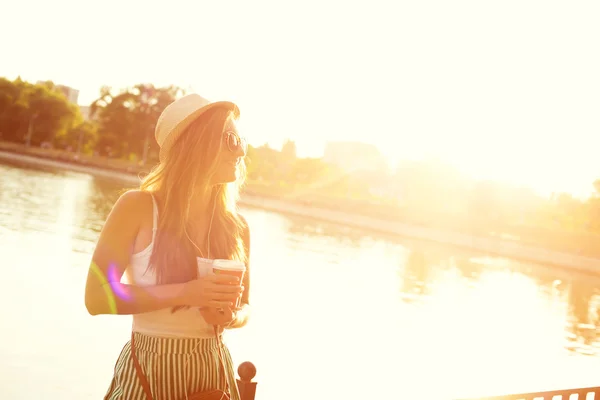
[
  {"x": 583, "y": 323},
  {"x": 575, "y": 296},
  {"x": 20, "y": 208},
  {"x": 414, "y": 277},
  {"x": 321, "y": 229},
  {"x": 469, "y": 267}
]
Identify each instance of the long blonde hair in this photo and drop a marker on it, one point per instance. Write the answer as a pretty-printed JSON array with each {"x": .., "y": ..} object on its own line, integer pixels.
[{"x": 186, "y": 171}]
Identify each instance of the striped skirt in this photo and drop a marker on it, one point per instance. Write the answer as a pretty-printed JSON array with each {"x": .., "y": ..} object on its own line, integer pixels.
[{"x": 171, "y": 366}]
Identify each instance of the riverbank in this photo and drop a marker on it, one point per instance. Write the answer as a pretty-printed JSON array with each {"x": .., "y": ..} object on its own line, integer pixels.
[{"x": 506, "y": 248}]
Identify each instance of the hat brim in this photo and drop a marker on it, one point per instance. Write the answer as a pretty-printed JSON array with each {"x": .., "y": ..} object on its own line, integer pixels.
[{"x": 184, "y": 123}]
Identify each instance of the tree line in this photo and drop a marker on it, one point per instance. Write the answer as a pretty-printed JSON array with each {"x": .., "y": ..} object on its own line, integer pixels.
[
  {"x": 38, "y": 114},
  {"x": 120, "y": 126}
]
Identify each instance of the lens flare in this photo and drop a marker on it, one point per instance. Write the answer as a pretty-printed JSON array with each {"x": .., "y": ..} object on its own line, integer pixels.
[
  {"x": 114, "y": 280},
  {"x": 112, "y": 305}
]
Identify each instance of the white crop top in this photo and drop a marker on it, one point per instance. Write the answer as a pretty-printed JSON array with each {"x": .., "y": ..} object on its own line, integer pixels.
[{"x": 184, "y": 323}]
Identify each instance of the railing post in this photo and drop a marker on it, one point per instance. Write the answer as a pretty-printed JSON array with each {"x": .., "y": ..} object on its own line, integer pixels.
[{"x": 246, "y": 387}]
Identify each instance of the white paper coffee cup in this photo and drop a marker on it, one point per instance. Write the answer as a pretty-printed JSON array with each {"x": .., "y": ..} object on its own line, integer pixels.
[
  {"x": 230, "y": 267},
  {"x": 204, "y": 266}
]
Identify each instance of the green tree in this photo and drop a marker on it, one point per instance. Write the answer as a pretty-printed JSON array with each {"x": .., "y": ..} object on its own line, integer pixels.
[
  {"x": 81, "y": 138},
  {"x": 126, "y": 119},
  {"x": 52, "y": 116},
  {"x": 14, "y": 110},
  {"x": 288, "y": 150},
  {"x": 34, "y": 113}
]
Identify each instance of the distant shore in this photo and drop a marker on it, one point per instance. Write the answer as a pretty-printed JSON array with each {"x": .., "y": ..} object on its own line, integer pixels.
[{"x": 495, "y": 246}]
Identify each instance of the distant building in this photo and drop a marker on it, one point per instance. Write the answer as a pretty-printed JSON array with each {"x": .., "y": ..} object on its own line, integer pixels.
[
  {"x": 85, "y": 112},
  {"x": 355, "y": 157},
  {"x": 71, "y": 94}
]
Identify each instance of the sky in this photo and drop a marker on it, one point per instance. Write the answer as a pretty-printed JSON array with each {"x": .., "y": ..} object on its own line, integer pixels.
[{"x": 503, "y": 90}]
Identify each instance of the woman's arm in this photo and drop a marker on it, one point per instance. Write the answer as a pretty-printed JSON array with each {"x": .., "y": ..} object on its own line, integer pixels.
[{"x": 104, "y": 294}]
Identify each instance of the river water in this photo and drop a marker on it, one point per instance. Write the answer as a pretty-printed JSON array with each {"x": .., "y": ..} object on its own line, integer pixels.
[{"x": 337, "y": 313}]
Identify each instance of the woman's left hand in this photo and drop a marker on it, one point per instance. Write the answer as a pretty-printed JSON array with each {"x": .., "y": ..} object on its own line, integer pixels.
[{"x": 224, "y": 317}]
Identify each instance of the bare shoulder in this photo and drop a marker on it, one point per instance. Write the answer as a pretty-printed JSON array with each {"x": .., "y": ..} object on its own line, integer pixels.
[
  {"x": 134, "y": 197},
  {"x": 133, "y": 200},
  {"x": 131, "y": 208}
]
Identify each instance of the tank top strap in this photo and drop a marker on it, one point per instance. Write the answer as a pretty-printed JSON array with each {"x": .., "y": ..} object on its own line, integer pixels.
[{"x": 154, "y": 217}]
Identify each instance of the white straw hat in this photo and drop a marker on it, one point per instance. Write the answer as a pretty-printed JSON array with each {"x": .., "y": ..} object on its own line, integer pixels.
[{"x": 178, "y": 115}]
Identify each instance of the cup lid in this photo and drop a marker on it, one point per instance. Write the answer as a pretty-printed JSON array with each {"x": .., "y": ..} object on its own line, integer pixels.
[{"x": 229, "y": 265}]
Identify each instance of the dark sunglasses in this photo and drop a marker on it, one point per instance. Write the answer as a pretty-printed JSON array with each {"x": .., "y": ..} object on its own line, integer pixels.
[{"x": 235, "y": 142}]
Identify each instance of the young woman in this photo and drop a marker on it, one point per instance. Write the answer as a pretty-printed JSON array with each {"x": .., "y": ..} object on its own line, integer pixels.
[{"x": 153, "y": 258}]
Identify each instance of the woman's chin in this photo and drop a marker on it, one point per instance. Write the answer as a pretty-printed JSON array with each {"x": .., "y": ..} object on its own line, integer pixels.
[{"x": 230, "y": 176}]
